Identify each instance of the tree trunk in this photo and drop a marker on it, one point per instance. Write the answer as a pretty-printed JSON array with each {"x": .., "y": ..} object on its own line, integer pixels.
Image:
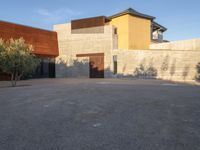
[
  {"x": 12, "y": 79},
  {"x": 16, "y": 78}
]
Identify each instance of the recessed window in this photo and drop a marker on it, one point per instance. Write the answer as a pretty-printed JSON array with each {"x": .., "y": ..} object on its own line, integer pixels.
[
  {"x": 115, "y": 31},
  {"x": 115, "y": 64}
]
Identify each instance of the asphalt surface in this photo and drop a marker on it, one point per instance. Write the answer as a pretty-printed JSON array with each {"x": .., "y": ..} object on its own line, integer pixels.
[{"x": 109, "y": 114}]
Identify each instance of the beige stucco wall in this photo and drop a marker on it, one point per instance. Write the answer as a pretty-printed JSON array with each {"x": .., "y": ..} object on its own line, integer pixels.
[
  {"x": 176, "y": 65},
  {"x": 193, "y": 44},
  {"x": 72, "y": 44},
  {"x": 91, "y": 30}
]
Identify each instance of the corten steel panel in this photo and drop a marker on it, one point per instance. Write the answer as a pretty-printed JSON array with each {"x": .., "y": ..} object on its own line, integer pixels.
[
  {"x": 88, "y": 22},
  {"x": 44, "y": 42}
]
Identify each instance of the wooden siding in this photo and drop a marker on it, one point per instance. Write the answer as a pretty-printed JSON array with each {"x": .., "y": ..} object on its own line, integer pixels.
[
  {"x": 90, "y": 54},
  {"x": 88, "y": 22},
  {"x": 44, "y": 42},
  {"x": 96, "y": 64}
]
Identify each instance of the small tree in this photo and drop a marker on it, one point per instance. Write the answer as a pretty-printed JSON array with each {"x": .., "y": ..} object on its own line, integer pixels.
[{"x": 16, "y": 59}]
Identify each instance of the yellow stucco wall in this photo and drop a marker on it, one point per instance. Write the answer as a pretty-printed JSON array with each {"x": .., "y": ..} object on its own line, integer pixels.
[
  {"x": 139, "y": 33},
  {"x": 133, "y": 32},
  {"x": 122, "y": 24}
]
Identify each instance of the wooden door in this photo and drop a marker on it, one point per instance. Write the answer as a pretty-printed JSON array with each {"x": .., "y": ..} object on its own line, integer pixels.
[{"x": 96, "y": 66}]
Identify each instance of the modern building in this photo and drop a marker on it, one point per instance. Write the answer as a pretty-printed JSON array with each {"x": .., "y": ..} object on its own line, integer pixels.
[
  {"x": 86, "y": 46},
  {"x": 128, "y": 43},
  {"x": 157, "y": 33},
  {"x": 44, "y": 43}
]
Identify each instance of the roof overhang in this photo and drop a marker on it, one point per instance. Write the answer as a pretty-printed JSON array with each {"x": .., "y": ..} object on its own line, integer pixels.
[
  {"x": 132, "y": 12},
  {"x": 156, "y": 26}
]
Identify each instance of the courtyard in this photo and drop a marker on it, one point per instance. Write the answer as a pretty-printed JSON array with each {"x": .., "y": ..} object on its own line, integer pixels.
[{"x": 99, "y": 114}]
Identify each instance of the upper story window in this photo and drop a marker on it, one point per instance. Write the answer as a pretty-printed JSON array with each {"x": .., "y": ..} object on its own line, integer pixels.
[
  {"x": 115, "y": 31},
  {"x": 158, "y": 35}
]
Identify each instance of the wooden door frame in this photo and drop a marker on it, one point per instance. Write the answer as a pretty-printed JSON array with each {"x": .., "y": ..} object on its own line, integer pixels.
[{"x": 89, "y": 54}]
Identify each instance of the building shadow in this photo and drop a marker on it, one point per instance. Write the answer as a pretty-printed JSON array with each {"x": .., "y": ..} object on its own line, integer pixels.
[
  {"x": 186, "y": 71},
  {"x": 74, "y": 68},
  {"x": 173, "y": 68},
  {"x": 198, "y": 72},
  {"x": 81, "y": 69},
  {"x": 145, "y": 72},
  {"x": 165, "y": 65}
]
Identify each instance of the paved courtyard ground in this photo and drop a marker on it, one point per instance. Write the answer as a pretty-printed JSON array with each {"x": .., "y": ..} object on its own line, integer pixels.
[{"x": 99, "y": 114}]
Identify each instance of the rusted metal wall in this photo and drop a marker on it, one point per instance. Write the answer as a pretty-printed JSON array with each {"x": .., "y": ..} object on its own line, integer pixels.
[{"x": 44, "y": 42}]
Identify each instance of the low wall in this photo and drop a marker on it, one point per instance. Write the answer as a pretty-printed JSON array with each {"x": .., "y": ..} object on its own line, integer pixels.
[
  {"x": 176, "y": 65},
  {"x": 193, "y": 44}
]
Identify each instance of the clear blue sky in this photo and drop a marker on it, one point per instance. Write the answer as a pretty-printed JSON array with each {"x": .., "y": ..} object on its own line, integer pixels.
[{"x": 181, "y": 17}]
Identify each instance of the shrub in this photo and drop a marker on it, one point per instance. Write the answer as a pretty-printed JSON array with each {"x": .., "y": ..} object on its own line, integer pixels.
[{"x": 16, "y": 58}]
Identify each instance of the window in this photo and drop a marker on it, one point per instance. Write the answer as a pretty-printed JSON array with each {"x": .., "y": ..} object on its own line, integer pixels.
[
  {"x": 115, "y": 31},
  {"x": 115, "y": 64}
]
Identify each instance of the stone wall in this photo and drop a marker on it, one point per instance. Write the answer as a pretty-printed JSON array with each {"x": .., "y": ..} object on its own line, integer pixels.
[
  {"x": 193, "y": 44},
  {"x": 175, "y": 61},
  {"x": 72, "y": 44},
  {"x": 92, "y": 30},
  {"x": 176, "y": 65}
]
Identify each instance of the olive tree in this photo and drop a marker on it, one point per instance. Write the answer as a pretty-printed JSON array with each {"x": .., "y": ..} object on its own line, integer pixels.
[{"x": 16, "y": 59}]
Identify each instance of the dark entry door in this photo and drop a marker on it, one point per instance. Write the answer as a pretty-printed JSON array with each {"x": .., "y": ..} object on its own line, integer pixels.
[
  {"x": 96, "y": 66},
  {"x": 51, "y": 69},
  {"x": 46, "y": 69}
]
